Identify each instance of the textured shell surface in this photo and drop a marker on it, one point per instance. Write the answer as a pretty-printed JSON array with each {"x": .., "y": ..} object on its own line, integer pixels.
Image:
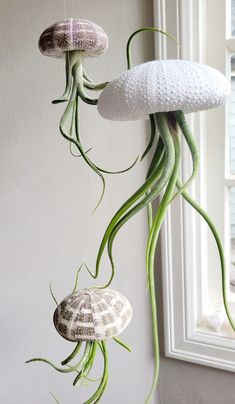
[
  {"x": 73, "y": 34},
  {"x": 92, "y": 314},
  {"x": 163, "y": 85}
]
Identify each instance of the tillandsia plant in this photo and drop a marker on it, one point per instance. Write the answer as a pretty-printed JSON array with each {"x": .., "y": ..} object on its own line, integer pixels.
[
  {"x": 76, "y": 39},
  {"x": 89, "y": 317},
  {"x": 163, "y": 90}
]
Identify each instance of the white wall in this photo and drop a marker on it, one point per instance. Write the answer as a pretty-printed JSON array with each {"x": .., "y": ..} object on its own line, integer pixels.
[{"x": 47, "y": 197}]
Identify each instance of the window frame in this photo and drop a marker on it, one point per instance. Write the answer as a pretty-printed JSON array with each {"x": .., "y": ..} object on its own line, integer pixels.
[
  {"x": 182, "y": 256},
  {"x": 229, "y": 177}
]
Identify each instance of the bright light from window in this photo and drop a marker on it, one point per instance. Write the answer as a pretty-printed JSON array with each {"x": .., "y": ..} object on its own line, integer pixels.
[
  {"x": 232, "y": 239},
  {"x": 232, "y": 164},
  {"x": 233, "y": 17}
]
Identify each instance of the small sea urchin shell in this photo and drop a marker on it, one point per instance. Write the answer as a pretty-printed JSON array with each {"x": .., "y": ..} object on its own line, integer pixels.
[
  {"x": 163, "y": 86},
  {"x": 92, "y": 314},
  {"x": 73, "y": 34}
]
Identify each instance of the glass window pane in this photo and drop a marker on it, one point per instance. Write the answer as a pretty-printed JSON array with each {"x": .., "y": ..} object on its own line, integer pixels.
[
  {"x": 232, "y": 119},
  {"x": 232, "y": 239},
  {"x": 233, "y": 17}
]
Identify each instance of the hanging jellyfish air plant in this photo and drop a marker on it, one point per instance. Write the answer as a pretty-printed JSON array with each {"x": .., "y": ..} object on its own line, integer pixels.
[
  {"x": 164, "y": 90},
  {"x": 90, "y": 316},
  {"x": 76, "y": 39}
]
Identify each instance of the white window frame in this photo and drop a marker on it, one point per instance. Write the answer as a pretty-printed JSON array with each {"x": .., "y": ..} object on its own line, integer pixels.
[
  {"x": 182, "y": 256},
  {"x": 229, "y": 178}
]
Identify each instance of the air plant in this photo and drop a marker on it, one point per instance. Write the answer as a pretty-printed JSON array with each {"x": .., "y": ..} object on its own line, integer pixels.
[
  {"x": 76, "y": 39},
  {"x": 90, "y": 317},
  {"x": 164, "y": 91}
]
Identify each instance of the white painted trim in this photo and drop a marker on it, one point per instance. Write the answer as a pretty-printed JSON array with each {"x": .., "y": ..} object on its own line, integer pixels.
[{"x": 184, "y": 256}]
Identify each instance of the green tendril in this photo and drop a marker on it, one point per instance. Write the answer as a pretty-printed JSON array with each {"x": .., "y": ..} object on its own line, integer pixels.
[
  {"x": 180, "y": 118},
  {"x": 88, "y": 363},
  {"x": 52, "y": 294},
  {"x": 71, "y": 368},
  {"x": 54, "y": 397},
  {"x": 94, "y": 86},
  {"x": 127, "y": 210},
  {"x": 89, "y": 83},
  {"x": 120, "y": 171},
  {"x": 84, "y": 155},
  {"x": 218, "y": 242},
  {"x": 73, "y": 354},
  {"x": 70, "y": 61},
  {"x": 149, "y": 197},
  {"x": 74, "y": 104},
  {"x": 145, "y": 29},
  {"x": 76, "y": 81},
  {"x": 99, "y": 392},
  {"x": 152, "y": 137},
  {"x": 123, "y": 344},
  {"x": 91, "y": 379},
  {"x": 163, "y": 125},
  {"x": 76, "y": 279},
  {"x": 77, "y": 155}
]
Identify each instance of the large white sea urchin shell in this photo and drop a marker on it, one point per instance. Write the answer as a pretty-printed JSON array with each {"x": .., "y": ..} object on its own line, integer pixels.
[
  {"x": 73, "y": 34},
  {"x": 92, "y": 314},
  {"x": 164, "y": 85}
]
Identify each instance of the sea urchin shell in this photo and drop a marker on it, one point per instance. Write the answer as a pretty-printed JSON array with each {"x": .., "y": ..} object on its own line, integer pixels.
[
  {"x": 73, "y": 34},
  {"x": 163, "y": 86},
  {"x": 92, "y": 314}
]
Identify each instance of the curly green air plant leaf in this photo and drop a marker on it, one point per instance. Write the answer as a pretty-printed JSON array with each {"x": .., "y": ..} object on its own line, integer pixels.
[
  {"x": 75, "y": 39},
  {"x": 170, "y": 88},
  {"x": 91, "y": 317}
]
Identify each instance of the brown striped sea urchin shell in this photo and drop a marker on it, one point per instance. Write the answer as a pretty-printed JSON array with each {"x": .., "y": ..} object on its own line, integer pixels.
[
  {"x": 92, "y": 314},
  {"x": 73, "y": 34}
]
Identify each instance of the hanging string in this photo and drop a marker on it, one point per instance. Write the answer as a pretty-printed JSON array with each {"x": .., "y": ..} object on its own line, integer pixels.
[
  {"x": 76, "y": 9},
  {"x": 65, "y": 10},
  {"x": 73, "y": 9}
]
